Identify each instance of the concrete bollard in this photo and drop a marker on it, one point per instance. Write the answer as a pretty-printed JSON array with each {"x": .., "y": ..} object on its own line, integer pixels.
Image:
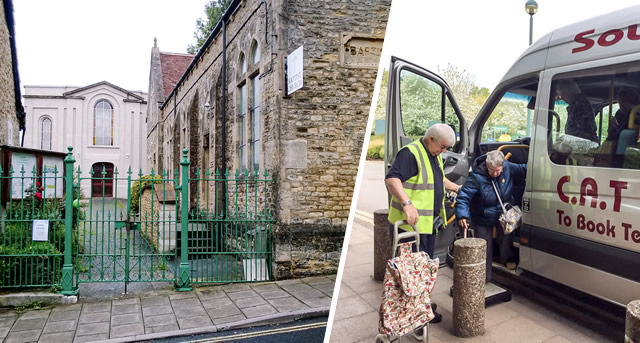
[
  {"x": 382, "y": 242},
  {"x": 469, "y": 286},
  {"x": 632, "y": 323}
]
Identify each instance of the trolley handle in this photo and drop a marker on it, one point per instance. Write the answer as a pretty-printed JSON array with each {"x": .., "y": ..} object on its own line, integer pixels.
[{"x": 407, "y": 234}]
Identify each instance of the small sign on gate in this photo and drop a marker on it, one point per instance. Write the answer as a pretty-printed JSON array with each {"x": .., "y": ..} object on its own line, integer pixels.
[{"x": 40, "y": 230}]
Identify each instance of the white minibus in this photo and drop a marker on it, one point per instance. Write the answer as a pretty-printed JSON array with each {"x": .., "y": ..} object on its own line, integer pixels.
[{"x": 581, "y": 196}]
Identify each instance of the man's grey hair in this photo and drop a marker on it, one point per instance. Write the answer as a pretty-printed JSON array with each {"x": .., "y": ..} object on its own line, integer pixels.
[
  {"x": 441, "y": 133},
  {"x": 495, "y": 159}
]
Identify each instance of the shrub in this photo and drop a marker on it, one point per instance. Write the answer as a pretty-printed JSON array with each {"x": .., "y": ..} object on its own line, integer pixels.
[
  {"x": 144, "y": 181},
  {"x": 375, "y": 151},
  {"x": 39, "y": 263}
]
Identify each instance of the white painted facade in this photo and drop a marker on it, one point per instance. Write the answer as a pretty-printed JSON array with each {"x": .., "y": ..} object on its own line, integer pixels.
[{"x": 72, "y": 114}]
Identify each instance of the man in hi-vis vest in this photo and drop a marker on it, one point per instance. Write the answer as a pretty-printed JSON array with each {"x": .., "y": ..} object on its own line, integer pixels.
[{"x": 417, "y": 185}]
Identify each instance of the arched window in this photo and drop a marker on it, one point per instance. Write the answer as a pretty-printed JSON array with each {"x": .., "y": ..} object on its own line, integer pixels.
[
  {"x": 255, "y": 53},
  {"x": 103, "y": 123},
  {"x": 243, "y": 64},
  {"x": 45, "y": 137}
]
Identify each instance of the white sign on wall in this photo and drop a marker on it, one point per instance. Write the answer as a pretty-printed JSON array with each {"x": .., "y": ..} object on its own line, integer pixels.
[
  {"x": 40, "y": 230},
  {"x": 20, "y": 184},
  {"x": 295, "y": 71}
]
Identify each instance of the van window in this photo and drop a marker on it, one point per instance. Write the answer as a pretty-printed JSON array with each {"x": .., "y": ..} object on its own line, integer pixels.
[
  {"x": 510, "y": 117},
  {"x": 594, "y": 118},
  {"x": 424, "y": 103}
]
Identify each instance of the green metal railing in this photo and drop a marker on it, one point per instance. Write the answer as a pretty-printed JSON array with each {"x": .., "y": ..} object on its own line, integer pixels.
[
  {"x": 31, "y": 229},
  {"x": 231, "y": 240},
  {"x": 220, "y": 232}
]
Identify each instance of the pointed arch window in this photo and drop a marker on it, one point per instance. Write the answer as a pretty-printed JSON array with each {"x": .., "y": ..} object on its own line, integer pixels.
[
  {"x": 103, "y": 123},
  {"x": 45, "y": 134}
]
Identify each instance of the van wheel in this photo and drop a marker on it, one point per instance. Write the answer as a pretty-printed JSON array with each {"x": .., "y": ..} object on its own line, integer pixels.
[{"x": 450, "y": 255}]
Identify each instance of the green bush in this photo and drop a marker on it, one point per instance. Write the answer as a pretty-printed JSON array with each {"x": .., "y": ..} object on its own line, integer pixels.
[
  {"x": 375, "y": 150},
  {"x": 135, "y": 190},
  {"x": 39, "y": 263}
]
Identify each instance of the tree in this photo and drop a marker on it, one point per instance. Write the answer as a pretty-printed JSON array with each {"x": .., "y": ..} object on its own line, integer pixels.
[
  {"x": 214, "y": 10},
  {"x": 469, "y": 97}
]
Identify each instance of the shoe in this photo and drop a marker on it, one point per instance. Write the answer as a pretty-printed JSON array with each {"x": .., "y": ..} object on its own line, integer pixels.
[
  {"x": 511, "y": 265},
  {"x": 434, "y": 307},
  {"x": 436, "y": 319}
]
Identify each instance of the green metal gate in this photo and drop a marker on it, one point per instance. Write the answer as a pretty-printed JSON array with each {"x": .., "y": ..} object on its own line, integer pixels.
[{"x": 205, "y": 229}]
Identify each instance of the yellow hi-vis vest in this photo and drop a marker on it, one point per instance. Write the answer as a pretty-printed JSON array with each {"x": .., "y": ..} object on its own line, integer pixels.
[{"x": 420, "y": 189}]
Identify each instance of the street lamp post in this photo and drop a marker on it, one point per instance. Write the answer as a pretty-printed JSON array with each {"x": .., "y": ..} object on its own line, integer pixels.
[{"x": 531, "y": 6}]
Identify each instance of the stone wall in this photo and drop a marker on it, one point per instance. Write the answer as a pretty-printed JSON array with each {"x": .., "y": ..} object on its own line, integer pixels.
[
  {"x": 322, "y": 128},
  {"x": 9, "y": 125},
  {"x": 311, "y": 141}
]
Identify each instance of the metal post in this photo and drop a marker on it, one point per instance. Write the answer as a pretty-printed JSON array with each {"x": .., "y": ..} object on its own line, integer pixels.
[
  {"x": 67, "y": 267},
  {"x": 184, "y": 273},
  {"x": 530, "y": 41}
]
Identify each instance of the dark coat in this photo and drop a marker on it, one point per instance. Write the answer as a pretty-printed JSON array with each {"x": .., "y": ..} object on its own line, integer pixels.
[{"x": 477, "y": 199}]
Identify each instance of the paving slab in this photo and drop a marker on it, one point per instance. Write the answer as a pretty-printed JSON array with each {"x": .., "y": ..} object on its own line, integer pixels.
[
  {"x": 64, "y": 315},
  {"x": 224, "y": 311},
  {"x": 210, "y": 294},
  {"x": 182, "y": 295},
  {"x": 318, "y": 302},
  {"x": 161, "y": 328},
  {"x": 93, "y": 328},
  {"x": 248, "y": 293},
  {"x": 124, "y": 309},
  {"x": 57, "y": 337},
  {"x": 160, "y": 320},
  {"x": 36, "y": 314},
  {"x": 91, "y": 338},
  {"x": 279, "y": 293},
  {"x": 216, "y": 302},
  {"x": 96, "y": 307},
  {"x": 130, "y": 318},
  {"x": 288, "y": 304},
  {"x": 23, "y": 336},
  {"x": 126, "y": 301},
  {"x": 194, "y": 322},
  {"x": 185, "y": 303},
  {"x": 258, "y": 311},
  {"x": 155, "y": 300},
  {"x": 236, "y": 288},
  {"x": 61, "y": 326},
  {"x": 229, "y": 319},
  {"x": 250, "y": 302},
  {"x": 288, "y": 282},
  {"x": 88, "y": 318},
  {"x": 156, "y": 310},
  {"x": 29, "y": 324},
  {"x": 186, "y": 312},
  {"x": 127, "y": 330}
]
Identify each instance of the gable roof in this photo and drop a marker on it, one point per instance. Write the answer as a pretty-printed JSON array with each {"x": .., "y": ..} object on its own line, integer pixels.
[
  {"x": 173, "y": 66},
  {"x": 129, "y": 94}
]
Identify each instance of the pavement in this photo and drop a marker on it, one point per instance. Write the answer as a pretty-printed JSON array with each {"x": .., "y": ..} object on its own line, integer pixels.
[
  {"x": 519, "y": 320},
  {"x": 167, "y": 313}
]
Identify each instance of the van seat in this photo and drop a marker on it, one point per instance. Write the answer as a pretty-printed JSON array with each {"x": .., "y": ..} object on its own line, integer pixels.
[{"x": 627, "y": 138}]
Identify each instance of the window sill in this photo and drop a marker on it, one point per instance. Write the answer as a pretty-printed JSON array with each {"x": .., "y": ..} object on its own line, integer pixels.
[{"x": 113, "y": 147}]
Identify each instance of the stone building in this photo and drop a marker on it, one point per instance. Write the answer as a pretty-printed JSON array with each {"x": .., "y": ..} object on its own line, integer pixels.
[
  {"x": 11, "y": 110},
  {"x": 232, "y": 108},
  {"x": 105, "y": 125}
]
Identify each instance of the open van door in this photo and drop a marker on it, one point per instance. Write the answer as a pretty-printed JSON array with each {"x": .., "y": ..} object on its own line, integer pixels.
[{"x": 417, "y": 99}]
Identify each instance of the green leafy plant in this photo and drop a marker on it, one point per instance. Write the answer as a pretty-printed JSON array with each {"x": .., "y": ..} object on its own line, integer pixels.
[{"x": 136, "y": 187}]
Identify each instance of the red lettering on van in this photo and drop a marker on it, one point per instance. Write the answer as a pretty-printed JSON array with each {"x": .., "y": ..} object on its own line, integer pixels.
[
  {"x": 617, "y": 186},
  {"x": 589, "y": 187},
  {"x": 606, "y": 39},
  {"x": 588, "y": 43},
  {"x": 561, "y": 183}
]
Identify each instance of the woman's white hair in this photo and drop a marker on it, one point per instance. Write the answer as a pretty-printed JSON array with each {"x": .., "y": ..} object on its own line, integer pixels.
[
  {"x": 568, "y": 87},
  {"x": 441, "y": 133},
  {"x": 495, "y": 159}
]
